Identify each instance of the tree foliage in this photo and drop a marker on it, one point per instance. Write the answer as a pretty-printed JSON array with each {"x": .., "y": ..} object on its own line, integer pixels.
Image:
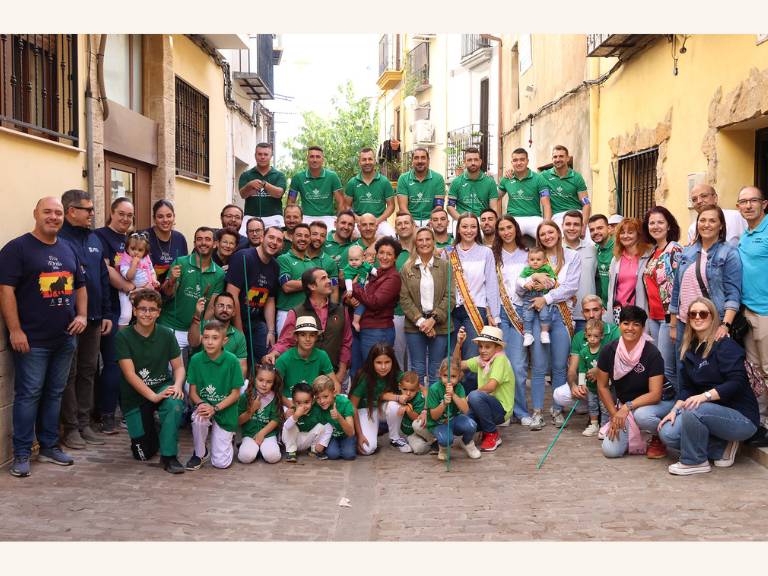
[{"x": 341, "y": 136}]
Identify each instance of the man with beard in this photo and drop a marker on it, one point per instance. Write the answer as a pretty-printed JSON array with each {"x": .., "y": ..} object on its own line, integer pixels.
[
  {"x": 292, "y": 216},
  {"x": 339, "y": 240},
  {"x": 598, "y": 232},
  {"x": 572, "y": 228},
  {"x": 223, "y": 311},
  {"x": 370, "y": 192},
  {"x": 488, "y": 219},
  {"x": 528, "y": 193},
  {"x": 253, "y": 281},
  {"x": 254, "y": 230},
  {"x": 263, "y": 187},
  {"x": 190, "y": 278},
  {"x": 420, "y": 189},
  {"x": 567, "y": 189},
  {"x": 318, "y": 188},
  {"x": 232, "y": 219},
  {"x": 292, "y": 265},
  {"x": 438, "y": 221},
  {"x": 317, "y": 234},
  {"x": 473, "y": 191}
]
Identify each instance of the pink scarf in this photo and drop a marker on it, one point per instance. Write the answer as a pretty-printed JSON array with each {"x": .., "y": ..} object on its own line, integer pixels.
[
  {"x": 486, "y": 366},
  {"x": 625, "y": 361}
]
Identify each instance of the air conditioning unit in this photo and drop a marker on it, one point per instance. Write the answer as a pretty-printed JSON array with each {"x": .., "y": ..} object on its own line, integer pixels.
[{"x": 423, "y": 131}]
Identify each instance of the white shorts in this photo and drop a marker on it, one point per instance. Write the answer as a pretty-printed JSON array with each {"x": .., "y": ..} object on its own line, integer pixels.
[{"x": 330, "y": 221}]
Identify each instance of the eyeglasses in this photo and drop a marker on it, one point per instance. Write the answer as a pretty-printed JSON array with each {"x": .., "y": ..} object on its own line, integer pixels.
[
  {"x": 693, "y": 314},
  {"x": 90, "y": 209},
  {"x": 145, "y": 310},
  {"x": 745, "y": 201}
]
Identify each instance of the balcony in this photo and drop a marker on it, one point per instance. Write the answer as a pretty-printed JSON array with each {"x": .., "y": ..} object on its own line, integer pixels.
[
  {"x": 253, "y": 69},
  {"x": 418, "y": 68},
  {"x": 617, "y": 45},
  {"x": 390, "y": 66},
  {"x": 462, "y": 138},
  {"x": 475, "y": 50}
]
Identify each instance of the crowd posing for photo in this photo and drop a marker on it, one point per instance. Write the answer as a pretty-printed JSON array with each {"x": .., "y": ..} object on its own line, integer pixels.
[{"x": 318, "y": 326}]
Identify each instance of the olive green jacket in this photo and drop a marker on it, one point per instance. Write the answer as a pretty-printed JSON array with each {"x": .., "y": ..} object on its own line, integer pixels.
[{"x": 410, "y": 295}]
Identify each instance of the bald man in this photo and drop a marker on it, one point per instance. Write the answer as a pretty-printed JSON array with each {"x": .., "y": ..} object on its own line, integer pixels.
[
  {"x": 705, "y": 196},
  {"x": 44, "y": 304}
]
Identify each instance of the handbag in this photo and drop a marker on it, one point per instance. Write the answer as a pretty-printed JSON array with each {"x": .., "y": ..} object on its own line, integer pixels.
[{"x": 755, "y": 378}]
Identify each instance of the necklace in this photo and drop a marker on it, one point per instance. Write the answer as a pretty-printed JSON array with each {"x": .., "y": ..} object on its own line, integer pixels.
[{"x": 165, "y": 251}]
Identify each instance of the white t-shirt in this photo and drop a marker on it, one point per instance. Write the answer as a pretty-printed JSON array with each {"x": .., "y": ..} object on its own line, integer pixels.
[{"x": 735, "y": 226}]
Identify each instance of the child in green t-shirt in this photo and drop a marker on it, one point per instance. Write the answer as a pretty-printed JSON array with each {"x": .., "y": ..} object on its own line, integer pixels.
[
  {"x": 303, "y": 429},
  {"x": 588, "y": 356},
  {"x": 261, "y": 413},
  {"x": 409, "y": 410},
  {"x": 336, "y": 410},
  {"x": 214, "y": 378},
  {"x": 537, "y": 264},
  {"x": 357, "y": 266}
]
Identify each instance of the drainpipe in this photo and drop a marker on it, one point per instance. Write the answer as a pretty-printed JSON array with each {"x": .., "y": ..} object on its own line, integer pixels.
[
  {"x": 89, "y": 126},
  {"x": 500, "y": 130},
  {"x": 594, "y": 124}
]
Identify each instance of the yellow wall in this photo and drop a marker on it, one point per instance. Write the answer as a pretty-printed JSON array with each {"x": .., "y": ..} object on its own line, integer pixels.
[
  {"x": 197, "y": 203},
  {"x": 644, "y": 89}
]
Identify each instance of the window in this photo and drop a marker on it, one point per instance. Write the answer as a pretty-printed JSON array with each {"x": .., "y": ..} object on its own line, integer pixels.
[
  {"x": 122, "y": 70},
  {"x": 191, "y": 132},
  {"x": 39, "y": 91},
  {"x": 524, "y": 52},
  {"x": 636, "y": 183}
]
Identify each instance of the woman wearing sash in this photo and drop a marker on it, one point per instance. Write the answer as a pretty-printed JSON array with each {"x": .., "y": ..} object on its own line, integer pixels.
[
  {"x": 477, "y": 288},
  {"x": 567, "y": 266},
  {"x": 511, "y": 258}
]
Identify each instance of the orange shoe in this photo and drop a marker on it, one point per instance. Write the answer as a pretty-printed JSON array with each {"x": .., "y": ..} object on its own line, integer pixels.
[{"x": 656, "y": 449}]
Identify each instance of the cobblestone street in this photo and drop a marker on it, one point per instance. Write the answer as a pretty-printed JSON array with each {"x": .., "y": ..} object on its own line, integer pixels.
[{"x": 577, "y": 495}]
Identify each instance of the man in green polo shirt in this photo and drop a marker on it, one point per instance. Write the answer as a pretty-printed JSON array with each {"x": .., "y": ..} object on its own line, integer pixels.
[
  {"x": 598, "y": 231},
  {"x": 223, "y": 311},
  {"x": 317, "y": 234},
  {"x": 528, "y": 193},
  {"x": 339, "y": 240},
  {"x": 420, "y": 189},
  {"x": 370, "y": 192},
  {"x": 367, "y": 241},
  {"x": 190, "y": 278},
  {"x": 292, "y": 265},
  {"x": 438, "y": 220},
  {"x": 304, "y": 362},
  {"x": 318, "y": 188},
  {"x": 567, "y": 189},
  {"x": 473, "y": 190},
  {"x": 262, "y": 187}
]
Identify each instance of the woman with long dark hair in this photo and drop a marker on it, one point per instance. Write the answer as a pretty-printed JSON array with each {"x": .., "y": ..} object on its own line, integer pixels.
[{"x": 165, "y": 243}]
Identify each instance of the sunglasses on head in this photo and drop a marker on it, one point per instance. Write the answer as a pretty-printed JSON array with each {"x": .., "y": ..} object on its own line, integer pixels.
[{"x": 703, "y": 314}]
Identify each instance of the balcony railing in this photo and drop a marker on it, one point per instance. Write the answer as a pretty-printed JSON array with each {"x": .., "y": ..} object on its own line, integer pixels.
[
  {"x": 462, "y": 138},
  {"x": 617, "y": 45},
  {"x": 389, "y": 53},
  {"x": 39, "y": 93},
  {"x": 471, "y": 43},
  {"x": 253, "y": 69},
  {"x": 418, "y": 66}
]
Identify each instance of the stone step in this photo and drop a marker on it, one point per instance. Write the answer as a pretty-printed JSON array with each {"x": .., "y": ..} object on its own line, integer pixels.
[{"x": 759, "y": 455}]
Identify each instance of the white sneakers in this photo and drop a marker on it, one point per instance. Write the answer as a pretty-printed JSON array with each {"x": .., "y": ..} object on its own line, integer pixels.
[
  {"x": 471, "y": 450},
  {"x": 680, "y": 469},
  {"x": 527, "y": 339},
  {"x": 545, "y": 337},
  {"x": 729, "y": 455},
  {"x": 592, "y": 430}
]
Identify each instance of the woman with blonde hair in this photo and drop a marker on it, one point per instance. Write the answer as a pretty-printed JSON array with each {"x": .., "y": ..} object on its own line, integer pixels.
[
  {"x": 625, "y": 276},
  {"x": 715, "y": 407}
]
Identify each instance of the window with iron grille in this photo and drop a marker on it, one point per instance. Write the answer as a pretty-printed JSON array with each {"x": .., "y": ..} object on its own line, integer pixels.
[
  {"x": 636, "y": 183},
  {"x": 38, "y": 91},
  {"x": 192, "y": 138}
]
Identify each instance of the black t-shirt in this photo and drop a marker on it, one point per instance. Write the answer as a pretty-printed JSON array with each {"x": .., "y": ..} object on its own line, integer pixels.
[
  {"x": 45, "y": 277},
  {"x": 635, "y": 383},
  {"x": 163, "y": 253},
  {"x": 261, "y": 279},
  {"x": 112, "y": 244}
]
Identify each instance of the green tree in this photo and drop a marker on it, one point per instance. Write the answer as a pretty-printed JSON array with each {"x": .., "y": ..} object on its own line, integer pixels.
[{"x": 341, "y": 136}]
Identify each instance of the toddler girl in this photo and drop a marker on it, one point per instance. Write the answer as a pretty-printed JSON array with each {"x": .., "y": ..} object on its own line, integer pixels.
[{"x": 136, "y": 267}]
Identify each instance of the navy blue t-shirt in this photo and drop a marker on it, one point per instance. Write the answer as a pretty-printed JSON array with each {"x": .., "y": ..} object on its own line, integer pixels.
[
  {"x": 262, "y": 281},
  {"x": 45, "y": 277},
  {"x": 163, "y": 253},
  {"x": 113, "y": 243}
]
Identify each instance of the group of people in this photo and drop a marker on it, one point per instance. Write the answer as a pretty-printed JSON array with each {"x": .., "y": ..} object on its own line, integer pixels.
[{"x": 317, "y": 325}]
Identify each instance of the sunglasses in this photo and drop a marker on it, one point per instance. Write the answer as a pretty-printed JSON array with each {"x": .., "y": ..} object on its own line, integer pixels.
[{"x": 703, "y": 314}]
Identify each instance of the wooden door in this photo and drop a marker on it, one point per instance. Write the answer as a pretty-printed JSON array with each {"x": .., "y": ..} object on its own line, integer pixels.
[{"x": 132, "y": 179}]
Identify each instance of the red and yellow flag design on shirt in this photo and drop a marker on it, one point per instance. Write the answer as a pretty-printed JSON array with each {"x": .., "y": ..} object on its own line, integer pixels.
[{"x": 56, "y": 284}]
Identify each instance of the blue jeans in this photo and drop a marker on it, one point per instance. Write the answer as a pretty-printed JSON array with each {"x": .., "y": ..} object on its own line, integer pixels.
[
  {"x": 518, "y": 358},
  {"x": 579, "y": 325},
  {"x": 425, "y": 354},
  {"x": 460, "y": 424},
  {"x": 257, "y": 338},
  {"x": 555, "y": 354},
  {"x": 469, "y": 348},
  {"x": 703, "y": 433},
  {"x": 41, "y": 376},
  {"x": 486, "y": 410},
  {"x": 659, "y": 331},
  {"x": 647, "y": 418},
  {"x": 596, "y": 407},
  {"x": 372, "y": 336},
  {"x": 109, "y": 381},
  {"x": 528, "y": 313},
  {"x": 345, "y": 448}
]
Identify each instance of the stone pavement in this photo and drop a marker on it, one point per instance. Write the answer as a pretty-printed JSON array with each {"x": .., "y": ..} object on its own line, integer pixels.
[{"x": 577, "y": 495}]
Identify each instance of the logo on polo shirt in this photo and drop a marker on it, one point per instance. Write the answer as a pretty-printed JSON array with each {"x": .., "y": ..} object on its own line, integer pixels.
[
  {"x": 144, "y": 373},
  {"x": 210, "y": 390},
  {"x": 639, "y": 368}
]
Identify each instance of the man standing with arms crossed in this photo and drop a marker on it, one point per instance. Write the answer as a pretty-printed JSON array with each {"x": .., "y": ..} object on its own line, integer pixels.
[
  {"x": 528, "y": 194},
  {"x": 370, "y": 192},
  {"x": 567, "y": 188},
  {"x": 420, "y": 189},
  {"x": 262, "y": 187},
  {"x": 473, "y": 190},
  {"x": 45, "y": 305},
  {"x": 318, "y": 188}
]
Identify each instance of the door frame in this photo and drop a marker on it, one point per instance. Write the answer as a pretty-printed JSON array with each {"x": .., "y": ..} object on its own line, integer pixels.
[{"x": 142, "y": 176}]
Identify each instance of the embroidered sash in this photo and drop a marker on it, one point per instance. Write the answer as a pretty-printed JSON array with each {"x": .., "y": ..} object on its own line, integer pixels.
[
  {"x": 469, "y": 305},
  {"x": 512, "y": 314}
]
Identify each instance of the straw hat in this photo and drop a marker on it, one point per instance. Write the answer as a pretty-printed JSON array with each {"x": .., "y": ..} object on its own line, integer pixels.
[
  {"x": 491, "y": 334},
  {"x": 306, "y": 324},
  {"x": 615, "y": 219}
]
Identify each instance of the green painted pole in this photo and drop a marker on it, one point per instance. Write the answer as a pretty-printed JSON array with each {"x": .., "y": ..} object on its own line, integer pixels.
[{"x": 557, "y": 436}]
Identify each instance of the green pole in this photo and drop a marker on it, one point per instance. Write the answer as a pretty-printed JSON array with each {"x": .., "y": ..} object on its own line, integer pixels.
[{"x": 557, "y": 436}]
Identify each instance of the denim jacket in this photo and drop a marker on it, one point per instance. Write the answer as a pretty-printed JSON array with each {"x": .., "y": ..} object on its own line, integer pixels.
[{"x": 723, "y": 274}]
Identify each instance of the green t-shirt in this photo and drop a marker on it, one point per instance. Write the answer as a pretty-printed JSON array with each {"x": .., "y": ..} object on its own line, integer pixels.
[
  {"x": 214, "y": 380},
  {"x": 336, "y": 251},
  {"x": 194, "y": 283},
  {"x": 602, "y": 273},
  {"x": 328, "y": 264},
  {"x": 369, "y": 198},
  {"x": 286, "y": 246},
  {"x": 344, "y": 407},
  {"x": 235, "y": 341},
  {"x": 310, "y": 419},
  {"x": 291, "y": 268},
  {"x": 263, "y": 416},
  {"x": 262, "y": 204},
  {"x": 150, "y": 357},
  {"x": 417, "y": 405},
  {"x": 473, "y": 196},
  {"x": 361, "y": 390},
  {"x": 435, "y": 395},
  {"x": 440, "y": 245},
  {"x": 610, "y": 333},
  {"x": 587, "y": 361},
  {"x": 361, "y": 271},
  {"x": 294, "y": 369},
  {"x": 524, "y": 194},
  {"x": 501, "y": 371},
  {"x": 564, "y": 192},
  {"x": 421, "y": 194},
  {"x": 316, "y": 193}
]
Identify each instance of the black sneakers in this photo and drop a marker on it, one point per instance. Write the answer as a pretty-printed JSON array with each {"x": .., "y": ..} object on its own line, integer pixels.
[{"x": 172, "y": 465}]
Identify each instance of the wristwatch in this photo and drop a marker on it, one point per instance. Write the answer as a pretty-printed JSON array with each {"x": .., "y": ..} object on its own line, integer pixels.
[
  {"x": 726, "y": 324},
  {"x": 216, "y": 408},
  {"x": 708, "y": 396},
  {"x": 628, "y": 404}
]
